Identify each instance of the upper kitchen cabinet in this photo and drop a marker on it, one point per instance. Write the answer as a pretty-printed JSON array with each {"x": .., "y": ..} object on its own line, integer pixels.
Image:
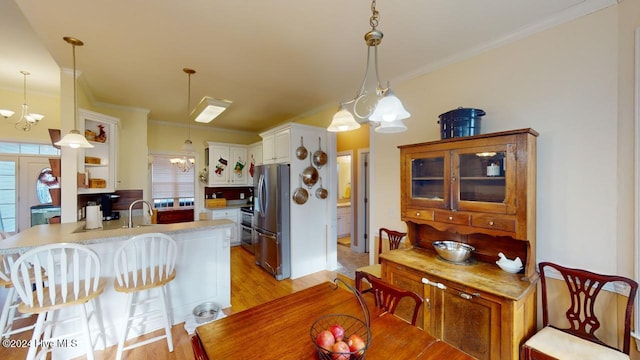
[
  {"x": 276, "y": 146},
  {"x": 476, "y": 188},
  {"x": 228, "y": 165},
  {"x": 100, "y": 163}
]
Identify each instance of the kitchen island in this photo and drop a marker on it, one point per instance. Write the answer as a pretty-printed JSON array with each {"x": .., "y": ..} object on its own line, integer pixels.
[{"x": 202, "y": 268}]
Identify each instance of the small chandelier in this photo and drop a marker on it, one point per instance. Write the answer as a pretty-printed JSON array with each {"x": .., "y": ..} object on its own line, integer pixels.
[
  {"x": 388, "y": 111},
  {"x": 74, "y": 139},
  {"x": 26, "y": 119},
  {"x": 185, "y": 164}
]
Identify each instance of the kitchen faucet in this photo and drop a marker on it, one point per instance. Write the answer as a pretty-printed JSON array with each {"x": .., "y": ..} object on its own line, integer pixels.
[{"x": 131, "y": 210}]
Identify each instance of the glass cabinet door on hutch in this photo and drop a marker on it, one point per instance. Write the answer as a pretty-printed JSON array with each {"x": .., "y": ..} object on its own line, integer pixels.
[
  {"x": 472, "y": 179},
  {"x": 429, "y": 179},
  {"x": 483, "y": 179}
]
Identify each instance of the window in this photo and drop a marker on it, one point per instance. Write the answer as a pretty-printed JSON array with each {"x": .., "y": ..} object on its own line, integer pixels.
[
  {"x": 170, "y": 186},
  {"x": 27, "y": 149},
  {"x": 8, "y": 196}
]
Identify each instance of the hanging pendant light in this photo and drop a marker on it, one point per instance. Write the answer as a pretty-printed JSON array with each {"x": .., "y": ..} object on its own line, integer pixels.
[
  {"x": 388, "y": 108},
  {"x": 343, "y": 121},
  {"x": 186, "y": 163},
  {"x": 391, "y": 127},
  {"x": 74, "y": 139},
  {"x": 26, "y": 119}
]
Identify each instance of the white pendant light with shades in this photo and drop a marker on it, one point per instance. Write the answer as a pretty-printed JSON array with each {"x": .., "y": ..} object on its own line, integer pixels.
[
  {"x": 388, "y": 111},
  {"x": 74, "y": 139},
  {"x": 186, "y": 163}
]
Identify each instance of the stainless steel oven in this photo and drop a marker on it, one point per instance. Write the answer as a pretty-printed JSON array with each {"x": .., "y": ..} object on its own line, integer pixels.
[{"x": 246, "y": 226}]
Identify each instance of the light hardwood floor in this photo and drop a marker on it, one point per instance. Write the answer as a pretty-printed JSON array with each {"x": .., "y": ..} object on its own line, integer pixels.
[{"x": 250, "y": 286}]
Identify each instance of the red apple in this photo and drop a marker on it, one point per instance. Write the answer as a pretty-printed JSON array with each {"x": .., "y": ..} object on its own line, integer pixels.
[
  {"x": 356, "y": 344},
  {"x": 325, "y": 340},
  {"x": 340, "y": 351},
  {"x": 337, "y": 331}
]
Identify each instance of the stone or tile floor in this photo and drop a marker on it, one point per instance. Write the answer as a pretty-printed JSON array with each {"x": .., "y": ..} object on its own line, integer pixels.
[{"x": 349, "y": 261}]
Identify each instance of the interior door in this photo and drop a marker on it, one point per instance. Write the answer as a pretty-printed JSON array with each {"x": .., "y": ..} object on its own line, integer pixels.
[
  {"x": 30, "y": 168},
  {"x": 362, "y": 207}
]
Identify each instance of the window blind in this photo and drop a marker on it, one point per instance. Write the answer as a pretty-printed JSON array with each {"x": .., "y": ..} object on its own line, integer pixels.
[{"x": 169, "y": 182}]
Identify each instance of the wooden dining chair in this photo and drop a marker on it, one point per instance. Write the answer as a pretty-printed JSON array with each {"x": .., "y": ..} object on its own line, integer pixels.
[
  {"x": 198, "y": 349},
  {"x": 387, "y": 296},
  {"x": 394, "y": 238},
  {"x": 145, "y": 263},
  {"x": 72, "y": 280},
  {"x": 578, "y": 339}
]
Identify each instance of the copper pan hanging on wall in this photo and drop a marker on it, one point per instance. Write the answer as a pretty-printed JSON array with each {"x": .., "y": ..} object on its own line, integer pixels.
[
  {"x": 301, "y": 151},
  {"x": 310, "y": 175},
  {"x": 319, "y": 156},
  {"x": 300, "y": 195}
]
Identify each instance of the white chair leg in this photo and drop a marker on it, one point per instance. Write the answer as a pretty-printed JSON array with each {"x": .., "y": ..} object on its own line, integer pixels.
[
  {"x": 86, "y": 331},
  {"x": 48, "y": 324},
  {"x": 125, "y": 327},
  {"x": 165, "y": 314},
  {"x": 37, "y": 332},
  {"x": 97, "y": 312},
  {"x": 4, "y": 317}
]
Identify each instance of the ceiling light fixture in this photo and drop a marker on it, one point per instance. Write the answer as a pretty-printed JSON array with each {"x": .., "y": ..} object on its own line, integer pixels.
[
  {"x": 209, "y": 109},
  {"x": 26, "y": 119},
  {"x": 388, "y": 111},
  {"x": 183, "y": 163},
  {"x": 74, "y": 139}
]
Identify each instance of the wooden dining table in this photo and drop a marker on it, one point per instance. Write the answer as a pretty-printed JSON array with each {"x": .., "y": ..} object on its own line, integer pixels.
[{"x": 280, "y": 329}]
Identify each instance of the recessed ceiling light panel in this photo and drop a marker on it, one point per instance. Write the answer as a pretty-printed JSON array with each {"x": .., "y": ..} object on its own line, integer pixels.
[{"x": 209, "y": 108}]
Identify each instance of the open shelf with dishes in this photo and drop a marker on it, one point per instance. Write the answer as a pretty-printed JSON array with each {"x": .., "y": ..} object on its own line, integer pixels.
[{"x": 97, "y": 166}]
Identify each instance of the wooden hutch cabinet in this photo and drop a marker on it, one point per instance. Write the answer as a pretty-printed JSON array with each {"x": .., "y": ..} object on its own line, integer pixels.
[{"x": 478, "y": 190}]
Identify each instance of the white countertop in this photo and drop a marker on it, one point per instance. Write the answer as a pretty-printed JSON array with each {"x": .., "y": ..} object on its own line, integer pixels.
[{"x": 73, "y": 232}]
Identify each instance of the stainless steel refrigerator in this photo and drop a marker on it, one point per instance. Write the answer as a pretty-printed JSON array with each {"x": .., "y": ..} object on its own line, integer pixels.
[{"x": 271, "y": 219}]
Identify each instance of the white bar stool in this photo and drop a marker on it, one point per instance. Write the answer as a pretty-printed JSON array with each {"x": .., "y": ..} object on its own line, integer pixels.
[
  {"x": 72, "y": 279},
  {"x": 145, "y": 262},
  {"x": 8, "y": 314}
]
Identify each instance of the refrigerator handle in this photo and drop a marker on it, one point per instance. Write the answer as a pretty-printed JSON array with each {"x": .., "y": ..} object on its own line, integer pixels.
[
  {"x": 262, "y": 233},
  {"x": 261, "y": 194}
]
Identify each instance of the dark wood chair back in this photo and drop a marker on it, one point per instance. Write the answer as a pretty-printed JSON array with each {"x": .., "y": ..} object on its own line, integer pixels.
[
  {"x": 387, "y": 296},
  {"x": 394, "y": 239},
  {"x": 584, "y": 287},
  {"x": 198, "y": 349}
]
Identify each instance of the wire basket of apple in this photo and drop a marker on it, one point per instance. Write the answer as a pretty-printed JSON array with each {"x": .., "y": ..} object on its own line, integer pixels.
[{"x": 342, "y": 336}]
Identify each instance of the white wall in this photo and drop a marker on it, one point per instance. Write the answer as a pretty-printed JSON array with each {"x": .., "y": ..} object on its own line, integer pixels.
[
  {"x": 311, "y": 223},
  {"x": 561, "y": 82}
]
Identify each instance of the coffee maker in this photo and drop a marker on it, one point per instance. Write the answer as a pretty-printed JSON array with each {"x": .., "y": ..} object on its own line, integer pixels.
[{"x": 106, "y": 202}]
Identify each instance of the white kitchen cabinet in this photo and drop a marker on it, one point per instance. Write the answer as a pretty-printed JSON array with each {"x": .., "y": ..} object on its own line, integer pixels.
[
  {"x": 228, "y": 165},
  {"x": 233, "y": 215},
  {"x": 276, "y": 146},
  {"x": 99, "y": 162},
  {"x": 344, "y": 221}
]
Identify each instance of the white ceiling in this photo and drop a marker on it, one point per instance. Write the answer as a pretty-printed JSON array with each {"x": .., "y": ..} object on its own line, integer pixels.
[{"x": 275, "y": 60}]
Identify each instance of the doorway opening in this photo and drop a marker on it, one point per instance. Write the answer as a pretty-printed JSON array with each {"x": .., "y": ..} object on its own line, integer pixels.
[{"x": 351, "y": 241}]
